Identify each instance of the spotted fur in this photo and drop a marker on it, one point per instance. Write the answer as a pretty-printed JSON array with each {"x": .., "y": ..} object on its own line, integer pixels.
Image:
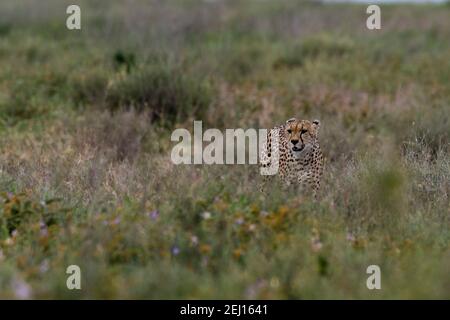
[{"x": 298, "y": 151}]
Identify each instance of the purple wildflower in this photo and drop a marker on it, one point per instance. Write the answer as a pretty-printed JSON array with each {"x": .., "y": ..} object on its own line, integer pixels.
[
  {"x": 115, "y": 221},
  {"x": 21, "y": 289},
  {"x": 43, "y": 229},
  {"x": 154, "y": 214},
  {"x": 175, "y": 250}
]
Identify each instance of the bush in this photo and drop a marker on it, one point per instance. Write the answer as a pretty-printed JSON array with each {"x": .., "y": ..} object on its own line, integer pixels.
[
  {"x": 18, "y": 209},
  {"x": 5, "y": 29},
  {"x": 242, "y": 60},
  {"x": 89, "y": 87},
  {"x": 20, "y": 104},
  {"x": 327, "y": 45},
  {"x": 165, "y": 92},
  {"x": 292, "y": 58},
  {"x": 323, "y": 45},
  {"x": 124, "y": 59},
  {"x": 117, "y": 136},
  {"x": 424, "y": 130}
]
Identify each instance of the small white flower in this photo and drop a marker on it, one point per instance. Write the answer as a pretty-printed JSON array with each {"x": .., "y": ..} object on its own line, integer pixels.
[
  {"x": 44, "y": 266},
  {"x": 350, "y": 237},
  {"x": 274, "y": 282},
  {"x": 316, "y": 246},
  {"x": 206, "y": 215},
  {"x": 194, "y": 240}
]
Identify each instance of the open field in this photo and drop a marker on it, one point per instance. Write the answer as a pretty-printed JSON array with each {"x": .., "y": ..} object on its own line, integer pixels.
[{"x": 85, "y": 171}]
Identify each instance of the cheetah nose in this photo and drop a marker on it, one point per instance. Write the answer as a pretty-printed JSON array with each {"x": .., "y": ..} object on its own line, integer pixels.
[{"x": 294, "y": 142}]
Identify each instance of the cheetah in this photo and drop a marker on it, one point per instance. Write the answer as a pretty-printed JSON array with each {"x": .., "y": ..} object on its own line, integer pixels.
[{"x": 298, "y": 150}]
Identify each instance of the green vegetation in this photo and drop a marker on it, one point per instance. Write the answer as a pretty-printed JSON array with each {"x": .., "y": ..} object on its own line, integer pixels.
[{"x": 85, "y": 171}]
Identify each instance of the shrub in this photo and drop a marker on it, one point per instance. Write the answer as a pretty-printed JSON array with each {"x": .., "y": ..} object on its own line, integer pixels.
[
  {"x": 89, "y": 87},
  {"x": 118, "y": 136},
  {"x": 165, "y": 92},
  {"x": 18, "y": 209},
  {"x": 425, "y": 130},
  {"x": 292, "y": 58},
  {"x": 375, "y": 192},
  {"x": 242, "y": 61},
  {"x": 21, "y": 103},
  {"x": 327, "y": 45},
  {"x": 322, "y": 45},
  {"x": 4, "y": 29},
  {"x": 125, "y": 59}
]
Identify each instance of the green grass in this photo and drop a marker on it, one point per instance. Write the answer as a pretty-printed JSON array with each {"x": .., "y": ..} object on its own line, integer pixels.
[{"x": 85, "y": 170}]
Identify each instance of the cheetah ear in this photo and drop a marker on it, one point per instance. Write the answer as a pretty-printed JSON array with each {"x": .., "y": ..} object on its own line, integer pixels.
[
  {"x": 316, "y": 124},
  {"x": 291, "y": 120}
]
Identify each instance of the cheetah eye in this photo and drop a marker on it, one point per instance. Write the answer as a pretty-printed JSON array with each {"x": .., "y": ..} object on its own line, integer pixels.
[
  {"x": 289, "y": 130},
  {"x": 304, "y": 131}
]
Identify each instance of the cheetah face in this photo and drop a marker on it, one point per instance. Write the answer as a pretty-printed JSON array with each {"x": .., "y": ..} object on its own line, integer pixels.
[{"x": 301, "y": 135}]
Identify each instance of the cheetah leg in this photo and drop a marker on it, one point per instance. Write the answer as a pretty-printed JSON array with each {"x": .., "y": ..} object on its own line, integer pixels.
[{"x": 315, "y": 190}]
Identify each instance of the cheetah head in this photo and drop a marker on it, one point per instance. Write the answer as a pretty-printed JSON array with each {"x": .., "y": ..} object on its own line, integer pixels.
[{"x": 301, "y": 134}]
